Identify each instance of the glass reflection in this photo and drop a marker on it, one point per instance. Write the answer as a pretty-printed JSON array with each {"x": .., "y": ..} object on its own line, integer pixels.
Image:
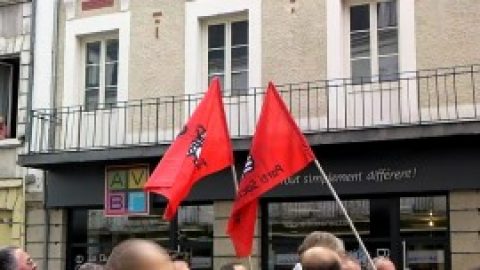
[
  {"x": 195, "y": 235},
  {"x": 103, "y": 233},
  {"x": 290, "y": 222}
]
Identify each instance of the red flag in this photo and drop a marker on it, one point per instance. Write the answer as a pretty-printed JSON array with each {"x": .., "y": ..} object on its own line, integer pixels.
[
  {"x": 278, "y": 151},
  {"x": 203, "y": 147}
]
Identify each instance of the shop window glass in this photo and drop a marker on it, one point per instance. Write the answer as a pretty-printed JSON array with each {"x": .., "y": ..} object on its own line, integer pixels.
[
  {"x": 195, "y": 235},
  {"x": 419, "y": 215},
  {"x": 424, "y": 232},
  {"x": 290, "y": 222},
  {"x": 103, "y": 233}
]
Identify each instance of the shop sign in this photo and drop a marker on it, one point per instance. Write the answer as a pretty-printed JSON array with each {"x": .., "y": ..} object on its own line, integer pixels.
[
  {"x": 426, "y": 257},
  {"x": 124, "y": 195}
]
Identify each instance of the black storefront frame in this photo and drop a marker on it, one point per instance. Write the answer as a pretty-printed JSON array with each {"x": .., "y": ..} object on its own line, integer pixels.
[
  {"x": 173, "y": 229},
  {"x": 395, "y": 237}
]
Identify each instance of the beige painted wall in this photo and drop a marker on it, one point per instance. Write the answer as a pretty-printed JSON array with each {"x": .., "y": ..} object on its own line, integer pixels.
[
  {"x": 447, "y": 32},
  {"x": 156, "y": 66},
  {"x": 447, "y": 36},
  {"x": 294, "y": 46},
  {"x": 294, "y": 49}
]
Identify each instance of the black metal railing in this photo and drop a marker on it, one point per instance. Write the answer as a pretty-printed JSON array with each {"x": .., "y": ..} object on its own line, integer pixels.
[{"x": 410, "y": 98}]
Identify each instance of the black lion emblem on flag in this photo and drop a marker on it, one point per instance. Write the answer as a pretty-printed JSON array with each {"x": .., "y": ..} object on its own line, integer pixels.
[{"x": 196, "y": 146}]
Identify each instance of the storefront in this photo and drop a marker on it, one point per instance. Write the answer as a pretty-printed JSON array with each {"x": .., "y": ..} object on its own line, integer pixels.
[
  {"x": 397, "y": 194},
  {"x": 411, "y": 230}
]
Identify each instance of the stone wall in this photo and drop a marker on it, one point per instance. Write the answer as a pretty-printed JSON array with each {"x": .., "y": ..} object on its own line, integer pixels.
[
  {"x": 222, "y": 246},
  {"x": 465, "y": 228}
]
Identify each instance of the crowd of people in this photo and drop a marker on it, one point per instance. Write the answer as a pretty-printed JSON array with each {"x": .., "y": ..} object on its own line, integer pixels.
[{"x": 319, "y": 251}]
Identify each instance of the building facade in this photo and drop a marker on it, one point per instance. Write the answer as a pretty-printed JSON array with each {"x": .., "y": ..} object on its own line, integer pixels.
[
  {"x": 385, "y": 91},
  {"x": 15, "y": 83}
]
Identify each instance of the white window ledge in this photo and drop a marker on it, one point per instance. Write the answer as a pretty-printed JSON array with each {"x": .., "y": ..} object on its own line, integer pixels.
[{"x": 10, "y": 143}]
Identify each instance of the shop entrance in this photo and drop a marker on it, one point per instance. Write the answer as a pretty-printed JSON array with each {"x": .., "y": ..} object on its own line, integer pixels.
[
  {"x": 92, "y": 236},
  {"x": 412, "y": 231}
]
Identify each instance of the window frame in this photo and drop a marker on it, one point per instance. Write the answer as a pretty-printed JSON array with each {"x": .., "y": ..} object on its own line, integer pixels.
[
  {"x": 227, "y": 20},
  {"x": 373, "y": 35},
  {"x": 9, "y": 124},
  {"x": 102, "y": 88}
]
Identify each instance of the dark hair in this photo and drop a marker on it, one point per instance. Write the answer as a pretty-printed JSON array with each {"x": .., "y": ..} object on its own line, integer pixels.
[
  {"x": 327, "y": 265},
  {"x": 230, "y": 266},
  {"x": 7, "y": 258}
]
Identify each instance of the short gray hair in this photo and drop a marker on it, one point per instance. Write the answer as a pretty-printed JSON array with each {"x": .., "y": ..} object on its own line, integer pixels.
[{"x": 321, "y": 239}]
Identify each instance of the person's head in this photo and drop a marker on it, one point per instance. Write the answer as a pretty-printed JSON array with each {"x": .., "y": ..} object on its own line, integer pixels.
[
  {"x": 137, "y": 254},
  {"x": 14, "y": 258},
  {"x": 321, "y": 239},
  {"x": 90, "y": 266},
  {"x": 383, "y": 263},
  {"x": 350, "y": 263},
  {"x": 233, "y": 266},
  {"x": 320, "y": 258},
  {"x": 181, "y": 265}
]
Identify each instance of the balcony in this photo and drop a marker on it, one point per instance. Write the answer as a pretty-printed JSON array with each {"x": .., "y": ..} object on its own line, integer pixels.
[{"x": 423, "y": 103}]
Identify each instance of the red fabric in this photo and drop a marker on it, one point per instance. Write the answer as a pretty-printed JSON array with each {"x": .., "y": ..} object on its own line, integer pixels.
[
  {"x": 202, "y": 148},
  {"x": 278, "y": 151},
  {"x": 96, "y": 4}
]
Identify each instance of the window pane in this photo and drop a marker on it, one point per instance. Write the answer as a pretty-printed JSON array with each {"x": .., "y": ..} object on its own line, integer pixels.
[
  {"x": 290, "y": 222},
  {"x": 387, "y": 14},
  {"x": 91, "y": 99},
  {"x": 359, "y": 18},
  {"x": 195, "y": 235},
  {"x": 423, "y": 214},
  {"x": 239, "y": 82},
  {"x": 93, "y": 53},
  {"x": 112, "y": 50},
  {"x": 111, "y": 95},
  {"x": 220, "y": 77},
  {"x": 361, "y": 70},
  {"x": 239, "y": 58},
  {"x": 92, "y": 75},
  {"x": 360, "y": 44},
  {"x": 387, "y": 41},
  {"x": 111, "y": 74},
  {"x": 216, "y": 61},
  {"x": 106, "y": 232},
  {"x": 239, "y": 33},
  {"x": 388, "y": 68},
  {"x": 216, "y": 36}
]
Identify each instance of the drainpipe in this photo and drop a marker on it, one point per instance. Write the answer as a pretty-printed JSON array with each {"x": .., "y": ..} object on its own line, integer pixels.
[
  {"x": 47, "y": 222},
  {"x": 28, "y": 129},
  {"x": 53, "y": 98}
]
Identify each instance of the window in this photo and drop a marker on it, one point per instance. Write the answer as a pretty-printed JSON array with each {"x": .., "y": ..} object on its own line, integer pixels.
[
  {"x": 8, "y": 97},
  {"x": 227, "y": 55},
  {"x": 92, "y": 235},
  {"x": 373, "y": 35},
  {"x": 101, "y": 73}
]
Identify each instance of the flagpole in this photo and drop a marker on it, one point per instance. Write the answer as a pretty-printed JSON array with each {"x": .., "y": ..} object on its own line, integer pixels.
[
  {"x": 344, "y": 211},
  {"x": 235, "y": 183},
  {"x": 235, "y": 179}
]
